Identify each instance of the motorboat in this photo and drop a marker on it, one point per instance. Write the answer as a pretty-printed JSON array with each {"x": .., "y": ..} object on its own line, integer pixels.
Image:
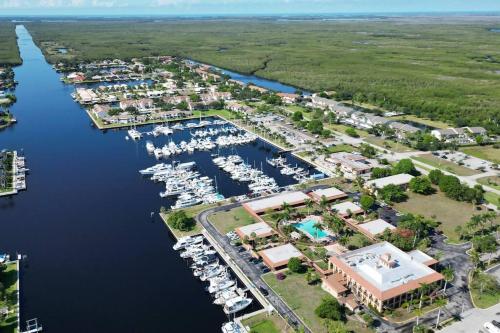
[
  {"x": 212, "y": 272},
  {"x": 231, "y": 327},
  {"x": 219, "y": 286},
  {"x": 237, "y": 304},
  {"x": 225, "y": 296},
  {"x": 150, "y": 147},
  {"x": 184, "y": 242},
  {"x": 134, "y": 134}
]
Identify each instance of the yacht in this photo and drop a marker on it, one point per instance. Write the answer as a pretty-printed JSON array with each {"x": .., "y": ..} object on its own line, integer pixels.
[
  {"x": 183, "y": 242},
  {"x": 155, "y": 168},
  {"x": 212, "y": 272},
  {"x": 236, "y": 304},
  {"x": 225, "y": 296},
  {"x": 134, "y": 134},
  {"x": 219, "y": 286},
  {"x": 231, "y": 327},
  {"x": 178, "y": 127},
  {"x": 150, "y": 147}
]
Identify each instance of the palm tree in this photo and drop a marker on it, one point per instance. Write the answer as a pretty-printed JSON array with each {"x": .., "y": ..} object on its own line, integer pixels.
[
  {"x": 319, "y": 227},
  {"x": 323, "y": 203},
  {"x": 309, "y": 204},
  {"x": 418, "y": 312},
  {"x": 474, "y": 257},
  {"x": 424, "y": 289},
  {"x": 440, "y": 302},
  {"x": 286, "y": 207},
  {"x": 448, "y": 276}
]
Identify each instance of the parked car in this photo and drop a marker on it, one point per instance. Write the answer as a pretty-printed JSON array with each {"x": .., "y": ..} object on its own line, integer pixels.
[{"x": 263, "y": 291}]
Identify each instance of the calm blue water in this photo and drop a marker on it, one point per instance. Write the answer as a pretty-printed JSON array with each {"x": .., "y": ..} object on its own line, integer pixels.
[
  {"x": 96, "y": 260},
  {"x": 308, "y": 227},
  {"x": 259, "y": 81}
]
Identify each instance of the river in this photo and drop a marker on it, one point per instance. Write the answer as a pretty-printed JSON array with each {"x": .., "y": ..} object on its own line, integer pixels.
[{"x": 96, "y": 261}]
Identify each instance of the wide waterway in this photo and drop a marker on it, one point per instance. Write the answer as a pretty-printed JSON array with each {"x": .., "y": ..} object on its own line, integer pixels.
[{"x": 96, "y": 261}]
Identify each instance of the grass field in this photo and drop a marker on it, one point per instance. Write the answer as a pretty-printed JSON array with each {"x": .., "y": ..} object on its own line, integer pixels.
[
  {"x": 263, "y": 323},
  {"x": 492, "y": 181},
  {"x": 445, "y": 165},
  {"x": 441, "y": 69},
  {"x": 492, "y": 198},
  {"x": 424, "y": 121},
  {"x": 489, "y": 153},
  {"x": 9, "y": 53},
  {"x": 191, "y": 212},
  {"x": 9, "y": 281},
  {"x": 226, "y": 221},
  {"x": 449, "y": 212},
  {"x": 388, "y": 144},
  {"x": 303, "y": 298},
  {"x": 486, "y": 298}
]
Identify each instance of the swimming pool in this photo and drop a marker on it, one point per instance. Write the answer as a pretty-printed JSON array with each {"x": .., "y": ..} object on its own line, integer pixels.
[{"x": 307, "y": 226}]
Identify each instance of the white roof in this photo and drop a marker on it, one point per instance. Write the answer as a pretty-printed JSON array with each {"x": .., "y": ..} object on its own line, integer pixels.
[
  {"x": 282, "y": 253},
  {"x": 277, "y": 201},
  {"x": 343, "y": 207},
  {"x": 328, "y": 192},
  {"x": 376, "y": 227},
  {"x": 420, "y": 256},
  {"x": 261, "y": 228},
  {"x": 367, "y": 263},
  {"x": 400, "y": 179}
]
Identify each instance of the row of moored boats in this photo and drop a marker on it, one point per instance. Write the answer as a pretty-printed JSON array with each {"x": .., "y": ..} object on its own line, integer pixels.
[
  {"x": 183, "y": 182},
  {"x": 243, "y": 172},
  {"x": 206, "y": 266}
]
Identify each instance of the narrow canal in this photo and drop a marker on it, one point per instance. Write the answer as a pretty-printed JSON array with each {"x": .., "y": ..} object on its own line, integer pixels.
[{"x": 96, "y": 261}]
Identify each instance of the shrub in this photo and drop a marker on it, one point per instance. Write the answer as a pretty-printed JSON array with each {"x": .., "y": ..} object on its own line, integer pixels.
[
  {"x": 295, "y": 265},
  {"x": 330, "y": 309}
]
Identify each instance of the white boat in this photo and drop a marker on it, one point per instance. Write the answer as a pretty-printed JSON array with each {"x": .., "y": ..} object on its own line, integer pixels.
[
  {"x": 225, "y": 296},
  {"x": 150, "y": 147},
  {"x": 187, "y": 241},
  {"x": 213, "y": 288},
  {"x": 231, "y": 327},
  {"x": 236, "y": 304},
  {"x": 155, "y": 168},
  {"x": 212, "y": 273},
  {"x": 134, "y": 134}
]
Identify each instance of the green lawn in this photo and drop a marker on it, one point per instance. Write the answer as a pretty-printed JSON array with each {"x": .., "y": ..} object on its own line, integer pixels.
[
  {"x": 489, "y": 153},
  {"x": 341, "y": 148},
  {"x": 191, "y": 212},
  {"x": 423, "y": 121},
  {"x": 263, "y": 323},
  {"x": 303, "y": 299},
  {"x": 492, "y": 198},
  {"x": 488, "y": 297},
  {"x": 492, "y": 181},
  {"x": 388, "y": 144},
  {"x": 10, "y": 282},
  {"x": 449, "y": 212},
  {"x": 445, "y": 165},
  {"x": 228, "y": 221}
]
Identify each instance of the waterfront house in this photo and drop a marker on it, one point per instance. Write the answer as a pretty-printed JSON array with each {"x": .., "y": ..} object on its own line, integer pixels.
[
  {"x": 288, "y": 98},
  {"x": 382, "y": 276},
  {"x": 238, "y": 107},
  {"x": 257, "y": 88}
]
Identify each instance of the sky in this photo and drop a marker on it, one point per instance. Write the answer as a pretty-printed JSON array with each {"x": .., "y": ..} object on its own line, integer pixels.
[{"x": 238, "y": 7}]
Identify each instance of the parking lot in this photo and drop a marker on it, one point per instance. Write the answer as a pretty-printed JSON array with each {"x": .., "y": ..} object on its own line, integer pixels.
[{"x": 465, "y": 160}]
